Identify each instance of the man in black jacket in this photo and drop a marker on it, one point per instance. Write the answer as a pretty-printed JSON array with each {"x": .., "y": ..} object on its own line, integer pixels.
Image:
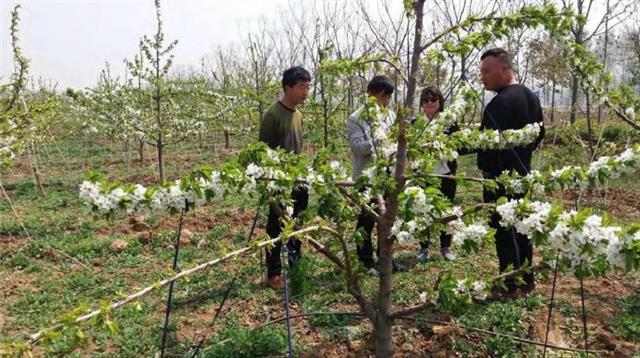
[{"x": 513, "y": 107}]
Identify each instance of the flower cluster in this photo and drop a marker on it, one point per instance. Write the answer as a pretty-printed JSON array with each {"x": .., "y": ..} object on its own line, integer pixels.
[
  {"x": 338, "y": 171},
  {"x": 490, "y": 139},
  {"x": 459, "y": 106},
  {"x": 445, "y": 147},
  {"x": 164, "y": 198},
  {"x": 265, "y": 172},
  {"x": 418, "y": 210},
  {"x": 631, "y": 113},
  {"x": 582, "y": 241},
  {"x": 528, "y": 218},
  {"x": 621, "y": 248},
  {"x": 271, "y": 175},
  {"x": 380, "y": 121},
  {"x": 7, "y": 147},
  {"x": 477, "y": 289},
  {"x": 581, "y": 238},
  {"x": 473, "y": 234},
  {"x": 599, "y": 172},
  {"x": 91, "y": 194}
]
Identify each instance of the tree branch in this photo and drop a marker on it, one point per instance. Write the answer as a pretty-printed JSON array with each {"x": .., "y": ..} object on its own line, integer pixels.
[
  {"x": 418, "y": 308},
  {"x": 143, "y": 292}
]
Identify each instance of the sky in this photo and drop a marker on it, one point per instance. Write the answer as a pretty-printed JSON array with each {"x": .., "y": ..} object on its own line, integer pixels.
[{"x": 68, "y": 41}]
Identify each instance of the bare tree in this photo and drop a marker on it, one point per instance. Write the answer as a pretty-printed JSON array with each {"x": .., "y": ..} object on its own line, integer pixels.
[
  {"x": 391, "y": 35},
  {"x": 631, "y": 50},
  {"x": 448, "y": 14},
  {"x": 548, "y": 64},
  {"x": 614, "y": 13}
]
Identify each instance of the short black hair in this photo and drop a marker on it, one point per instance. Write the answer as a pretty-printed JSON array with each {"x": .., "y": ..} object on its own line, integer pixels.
[
  {"x": 499, "y": 53},
  {"x": 292, "y": 76},
  {"x": 432, "y": 92},
  {"x": 380, "y": 84}
]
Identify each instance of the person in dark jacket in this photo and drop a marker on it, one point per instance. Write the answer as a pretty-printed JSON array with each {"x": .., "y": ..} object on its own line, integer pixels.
[
  {"x": 513, "y": 107},
  {"x": 432, "y": 103},
  {"x": 281, "y": 127}
]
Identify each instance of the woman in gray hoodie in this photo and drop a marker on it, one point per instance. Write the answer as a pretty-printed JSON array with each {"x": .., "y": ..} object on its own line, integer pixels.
[{"x": 363, "y": 151}]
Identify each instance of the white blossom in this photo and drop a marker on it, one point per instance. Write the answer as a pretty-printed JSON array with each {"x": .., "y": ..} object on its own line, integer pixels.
[
  {"x": 475, "y": 232},
  {"x": 479, "y": 290},
  {"x": 631, "y": 113}
]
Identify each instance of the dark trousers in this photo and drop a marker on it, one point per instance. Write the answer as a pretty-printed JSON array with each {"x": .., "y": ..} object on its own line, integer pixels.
[
  {"x": 300, "y": 198},
  {"x": 513, "y": 249},
  {"x": 365, "y": 223},
  {"x": 448, "y": 188}
]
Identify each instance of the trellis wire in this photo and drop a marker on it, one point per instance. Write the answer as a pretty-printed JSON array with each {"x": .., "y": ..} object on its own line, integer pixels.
[
  {"x": 170, "y": 297},
  {"x": 417, "y": 319},
  {"x": 553, "y": 293},
  {"x": 584, "y": 317},
  {"x": 286, "y": 298},
  {"x": 215, "y": 317}
]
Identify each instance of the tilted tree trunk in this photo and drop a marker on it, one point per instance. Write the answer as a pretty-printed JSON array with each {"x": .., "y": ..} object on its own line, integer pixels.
[{"x": 383, "y": 322}]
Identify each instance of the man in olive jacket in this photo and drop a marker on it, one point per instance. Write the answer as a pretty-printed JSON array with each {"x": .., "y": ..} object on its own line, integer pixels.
[{"x": 281, "y": 127}]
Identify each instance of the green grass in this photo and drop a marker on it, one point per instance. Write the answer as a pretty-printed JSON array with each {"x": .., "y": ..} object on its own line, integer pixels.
[{"x": 627, "y": 322}]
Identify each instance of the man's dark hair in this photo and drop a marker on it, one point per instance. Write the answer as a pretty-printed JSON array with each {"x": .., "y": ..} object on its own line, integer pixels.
[
  {"x": 380, "y": 84},
  {"x": 500, "y": 54},
  {"x": 432, "y": 92},
  {"x": 294, "y": 75}
]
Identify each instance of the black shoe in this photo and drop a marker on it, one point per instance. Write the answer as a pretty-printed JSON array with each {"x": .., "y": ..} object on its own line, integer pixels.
[
  {"x": 423, "y": 256},
  {"x": 398, "y": 267},
  {"x": 368, "y": 264},
  {"x": 500, "y": 294},
  {"x": 528, "y": 288}
]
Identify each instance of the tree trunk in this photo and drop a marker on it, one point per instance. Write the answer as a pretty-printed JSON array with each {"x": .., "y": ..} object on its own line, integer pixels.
[
  {"x": 36, "y": 172},
  {"x": 213, "y": 143},
  {"x": 587, "y": 100},
  {"x": 383, "y": 339},
  {"x": 350, "y": 97},
  {"x": 415, "y": 56},
  {"x": 127, "y": 157},
  {"x": 382, "y": 325},
  {"x": 37, "y": 180},
  {"x": 325, "y": 111},
  {"x": 160, "y": 154},
  {"x": 574, "y": 97},
  {"x": 589, "y": 126},
  {"x": 604, "y": 56},
  {"x": 395, "y": 85},
  {"x": 553, "y": 100},
  {"x": 575, "y": 80},
  {"x": 127, "y": 151},
  {"x": 227, "y": 142},
  {"x": 141, "y": 150}
]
